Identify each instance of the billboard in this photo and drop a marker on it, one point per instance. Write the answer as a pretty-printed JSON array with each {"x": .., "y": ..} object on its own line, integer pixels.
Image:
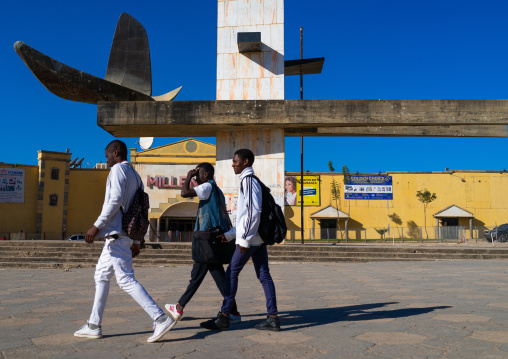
[
  {"x": 311, "y": 191},
  {"x": 12, "y": 185},
  {"x": 369, "y": 187}
]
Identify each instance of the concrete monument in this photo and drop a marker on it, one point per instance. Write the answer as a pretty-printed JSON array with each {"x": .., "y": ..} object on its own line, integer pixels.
[
  {"x": 128, "y": 75},
  {"x": 250, "y": 110}
]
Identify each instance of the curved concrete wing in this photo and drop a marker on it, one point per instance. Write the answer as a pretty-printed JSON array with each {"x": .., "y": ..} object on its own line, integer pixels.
[
  {"x": 72, "y": 84},
  {"x": 168, "y": 96},
  {"x": 129, "y": 60}
]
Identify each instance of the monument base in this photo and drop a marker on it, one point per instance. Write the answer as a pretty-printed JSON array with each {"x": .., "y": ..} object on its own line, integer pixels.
[{"x": 268, "y": 148}]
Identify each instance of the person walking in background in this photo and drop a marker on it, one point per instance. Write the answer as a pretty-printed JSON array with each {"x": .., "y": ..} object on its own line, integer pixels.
[
  {"x": 119, "y": 249},
  {"x": 209, "y": 218},
  {"x": 249, "y": 245}
]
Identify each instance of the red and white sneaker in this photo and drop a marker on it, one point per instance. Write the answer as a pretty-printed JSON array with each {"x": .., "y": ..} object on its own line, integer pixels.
[
  {"x": 235, "y": 318},
  {"x": 175, "y": 313}
]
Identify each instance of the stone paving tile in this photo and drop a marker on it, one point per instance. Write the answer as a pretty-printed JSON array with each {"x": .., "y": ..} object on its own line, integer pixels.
[
  {"x": 445, "y": 309},
  {"x": 499, "y": 305},
  {"x": 461, "y": 318},
  {"x": 392, "y": 338}
]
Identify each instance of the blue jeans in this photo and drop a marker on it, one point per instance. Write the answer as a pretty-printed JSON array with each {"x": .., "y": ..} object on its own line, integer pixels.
[{"x": 259, "y": 256}]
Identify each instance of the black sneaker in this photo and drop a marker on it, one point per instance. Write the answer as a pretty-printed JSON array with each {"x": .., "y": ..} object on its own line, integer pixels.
[
  {"x": 220, "y": 323},
  {"x": 271, "y": 323}
]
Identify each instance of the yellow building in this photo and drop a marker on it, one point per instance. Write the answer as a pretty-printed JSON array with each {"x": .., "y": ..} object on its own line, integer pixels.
[
  {"x": 466, "y": 203},
  {"x": 54, "y": 201},
  {"x": 163, "y": 170}
]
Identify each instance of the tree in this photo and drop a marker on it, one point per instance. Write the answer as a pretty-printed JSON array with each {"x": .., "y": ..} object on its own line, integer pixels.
[
  {"x": 425, "y": 197},
  {"x": 347, "y": 176},
  {"x": 335, "y": 190},
  {"x": 334, "y": 186}
]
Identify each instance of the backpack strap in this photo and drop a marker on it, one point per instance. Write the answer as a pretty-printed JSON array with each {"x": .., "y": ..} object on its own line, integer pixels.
[
  {"x": 222, "y": 205},
  {"x": 241, "y": 182},
  {"x": 136, "y": 175},
  {"x": 257, "y": 179}
]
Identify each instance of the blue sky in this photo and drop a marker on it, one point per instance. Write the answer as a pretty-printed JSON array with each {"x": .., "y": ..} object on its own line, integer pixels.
[{"x": 373, "y": 49}]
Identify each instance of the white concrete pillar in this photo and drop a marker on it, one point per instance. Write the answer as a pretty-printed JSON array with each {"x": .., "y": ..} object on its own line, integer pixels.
[{"x": 250, "y": 76}]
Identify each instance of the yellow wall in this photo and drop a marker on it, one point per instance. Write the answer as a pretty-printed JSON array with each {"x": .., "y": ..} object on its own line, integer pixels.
[
  {"x": 52, "y": 216},
  {"x": 484, "y": 194},
  {"x": 86, "y": 196},
  {"x": 21, "y": 216}
]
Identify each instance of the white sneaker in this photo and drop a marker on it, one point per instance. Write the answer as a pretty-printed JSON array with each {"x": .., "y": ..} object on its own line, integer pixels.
[
  {"x": 175, "y": 313},
  {"x": 86, "y": 332},
  {"x": 235, "y": 318},
  {"x": 161, "y": 328}
]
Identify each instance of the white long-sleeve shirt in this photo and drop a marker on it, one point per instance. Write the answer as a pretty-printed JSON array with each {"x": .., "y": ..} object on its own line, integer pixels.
[
  {"x": 248, "y": 214},
  {"x": 121, "y": 186}
]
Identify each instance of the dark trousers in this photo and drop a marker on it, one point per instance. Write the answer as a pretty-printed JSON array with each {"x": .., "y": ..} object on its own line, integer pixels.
[
  {"x": 259, "y": 256},
  {"x": 198, "y": 273}
]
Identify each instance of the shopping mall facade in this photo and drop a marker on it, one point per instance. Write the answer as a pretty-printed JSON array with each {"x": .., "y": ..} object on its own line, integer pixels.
[{"x": 53, "y": 201}]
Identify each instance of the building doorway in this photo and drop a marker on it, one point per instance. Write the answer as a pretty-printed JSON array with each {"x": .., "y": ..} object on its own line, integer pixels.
[
  {"x": 177, "y": 229},
  {"x": 176, "y": 223},
  {"x": 328, "y": 228},
  {"x": 450, "y": 228}
]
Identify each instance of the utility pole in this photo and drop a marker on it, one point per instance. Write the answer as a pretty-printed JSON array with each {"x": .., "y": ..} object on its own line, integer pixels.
[{"x": 301, "y": 137}]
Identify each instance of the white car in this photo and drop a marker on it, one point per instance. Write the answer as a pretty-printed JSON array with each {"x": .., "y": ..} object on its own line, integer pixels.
[{"x": 76, "y": 237}]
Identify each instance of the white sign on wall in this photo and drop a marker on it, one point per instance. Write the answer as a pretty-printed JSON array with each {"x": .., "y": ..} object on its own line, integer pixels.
[{"x": 12, "y": 185}]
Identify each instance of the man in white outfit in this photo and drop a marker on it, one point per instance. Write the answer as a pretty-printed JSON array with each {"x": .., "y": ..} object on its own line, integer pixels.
[{"x": 119, "y": 249}]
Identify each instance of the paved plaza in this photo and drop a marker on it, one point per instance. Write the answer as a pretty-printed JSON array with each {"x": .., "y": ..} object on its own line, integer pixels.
[{"x": 444, "y": 309}]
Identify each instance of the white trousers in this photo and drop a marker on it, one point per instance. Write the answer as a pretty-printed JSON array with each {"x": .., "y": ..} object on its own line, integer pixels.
[{"x": 116, "y": 258}]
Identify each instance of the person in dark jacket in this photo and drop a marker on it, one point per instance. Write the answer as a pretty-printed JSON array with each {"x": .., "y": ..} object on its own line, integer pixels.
[{"x": 210, "y": 217}]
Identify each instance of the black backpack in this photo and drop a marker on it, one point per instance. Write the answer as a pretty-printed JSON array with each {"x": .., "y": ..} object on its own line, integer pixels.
[
  {"x": 135, "y": 220},
  {"x": 273, "y": 229}
]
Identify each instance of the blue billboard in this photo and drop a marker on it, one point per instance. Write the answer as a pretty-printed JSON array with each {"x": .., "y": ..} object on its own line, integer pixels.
[{"x": 369, "y": 187}]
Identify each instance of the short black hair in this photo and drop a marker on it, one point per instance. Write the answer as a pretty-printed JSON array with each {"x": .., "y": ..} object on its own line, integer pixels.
[
  {"x": 208, "y": 168},
  {"x": 246, "y": 154},
  {"x": 120, "y": 146}
]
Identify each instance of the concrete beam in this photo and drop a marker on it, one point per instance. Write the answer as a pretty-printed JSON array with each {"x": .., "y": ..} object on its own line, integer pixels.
[
  {"x": 401, "y": 131},
  {"x": 205, "y": 118}
]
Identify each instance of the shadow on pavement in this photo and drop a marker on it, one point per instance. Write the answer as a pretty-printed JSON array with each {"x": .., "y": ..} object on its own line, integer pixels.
[
  {"x": 126, "y": 334},
  {"x": 298, "y": 319}
]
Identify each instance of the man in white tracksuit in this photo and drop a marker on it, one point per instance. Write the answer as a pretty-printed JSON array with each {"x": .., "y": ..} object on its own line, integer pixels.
[{"x": 119, "y": 249}]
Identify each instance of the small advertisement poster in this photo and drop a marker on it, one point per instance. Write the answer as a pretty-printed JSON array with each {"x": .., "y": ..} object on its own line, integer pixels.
[
  {"x": 12, "y": 185},
  {"x": 311, "y": 191},
  {"x": 369, "y": 187}
]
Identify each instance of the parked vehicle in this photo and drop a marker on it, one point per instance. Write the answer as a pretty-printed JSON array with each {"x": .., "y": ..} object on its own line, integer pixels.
[
  {"x": 76, "y": 237},
  {"x": 499, "y": 233}
]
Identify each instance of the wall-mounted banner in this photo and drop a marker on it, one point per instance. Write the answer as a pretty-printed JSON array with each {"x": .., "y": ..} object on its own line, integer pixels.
[
  {"x": 12, "y": 185},
  {"x": 369, "y": 187},
  {"x": 311, "y": 191}
]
